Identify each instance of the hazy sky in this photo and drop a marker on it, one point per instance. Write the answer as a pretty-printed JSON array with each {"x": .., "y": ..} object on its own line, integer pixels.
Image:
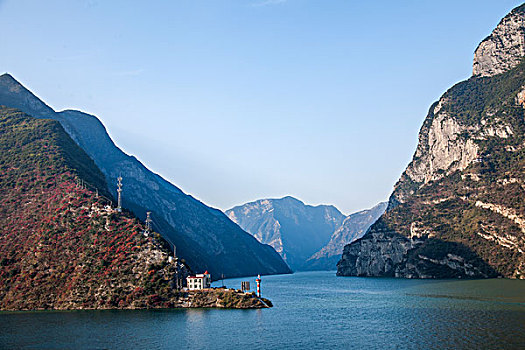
[{"x": 236, "y": 100}]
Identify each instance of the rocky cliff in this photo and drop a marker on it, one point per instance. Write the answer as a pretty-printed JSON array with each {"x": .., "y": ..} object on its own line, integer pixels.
[
  {"x": 458, "y": 210},
  {"x": 204, "y": 236},
  {"x": 504, "y": 48}
]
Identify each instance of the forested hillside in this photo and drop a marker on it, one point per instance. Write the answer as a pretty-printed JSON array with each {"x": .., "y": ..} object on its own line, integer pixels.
[{"x": 62, "y": 246}]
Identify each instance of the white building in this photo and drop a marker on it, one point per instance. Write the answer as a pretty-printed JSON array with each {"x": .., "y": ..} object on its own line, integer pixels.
[{"x": 200, "y": 281}]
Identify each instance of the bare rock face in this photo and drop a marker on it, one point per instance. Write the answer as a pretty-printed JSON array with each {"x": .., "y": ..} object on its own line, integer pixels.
[
  {"x": 447, "y": 144},
  {"x": 383, "y": 252},
  {"x": 443, "y": 150},
  {"x": 385, "y": 249},
  {"x": 504, "y": 48}
]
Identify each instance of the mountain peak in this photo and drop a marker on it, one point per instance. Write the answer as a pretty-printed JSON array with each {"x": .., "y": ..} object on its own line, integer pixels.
[
  {"x": 9, "y": 81},
  {"x": 15, "y": 95},
  {"x": 6, "y": 75},
  {"x": 290, "y": 199},
  {"x": 504, "y": 48}
]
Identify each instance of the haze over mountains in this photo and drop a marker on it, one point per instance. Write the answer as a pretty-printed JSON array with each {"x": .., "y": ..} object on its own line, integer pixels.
[
  {"x": 204, "y": 236},
  {"x": 458, "y": 209},
  {"x": 353, "y": 227},
  {"x": 307, "y": 237}
]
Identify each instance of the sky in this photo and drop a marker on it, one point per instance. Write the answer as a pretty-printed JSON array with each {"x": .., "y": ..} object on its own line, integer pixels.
[{"x": 238, "y": 100}]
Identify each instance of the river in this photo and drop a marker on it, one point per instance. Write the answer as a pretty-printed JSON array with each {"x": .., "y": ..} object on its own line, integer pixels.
[{"x": 312, "y": 310}]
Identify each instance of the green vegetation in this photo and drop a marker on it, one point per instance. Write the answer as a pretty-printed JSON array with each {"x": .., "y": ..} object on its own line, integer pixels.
[{"x": 60, "y": 246}]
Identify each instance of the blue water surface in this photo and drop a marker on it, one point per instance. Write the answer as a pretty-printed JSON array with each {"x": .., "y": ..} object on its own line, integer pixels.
[{"x": 312, "y": 310}]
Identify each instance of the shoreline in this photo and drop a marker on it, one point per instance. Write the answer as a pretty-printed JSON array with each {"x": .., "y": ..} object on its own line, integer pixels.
[{"x": 212, "y": 298}]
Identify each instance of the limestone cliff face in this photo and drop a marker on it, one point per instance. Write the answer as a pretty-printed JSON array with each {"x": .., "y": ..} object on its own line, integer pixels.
[
  {"x": 444, "y": 147},
  {"x": 446, "y": 144},
  {"x": 458, "y": 208},
  {"x": 386, "y": 253},
  {"x": 504, "y": 48}
]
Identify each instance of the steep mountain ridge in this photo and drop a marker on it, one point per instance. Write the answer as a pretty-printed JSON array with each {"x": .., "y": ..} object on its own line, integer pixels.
[
  {"x": 458, "y": 209},
  {"x": 205, "y": 237}
]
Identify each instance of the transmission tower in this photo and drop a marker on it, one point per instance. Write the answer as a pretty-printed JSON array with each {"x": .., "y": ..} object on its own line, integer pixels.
[
  {"x": 147, "y": 230},
  {"x": 119, "y": 191}
]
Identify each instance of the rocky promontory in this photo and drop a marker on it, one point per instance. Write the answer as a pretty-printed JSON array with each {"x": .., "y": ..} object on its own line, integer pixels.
[{"x": 220, "y": 298}]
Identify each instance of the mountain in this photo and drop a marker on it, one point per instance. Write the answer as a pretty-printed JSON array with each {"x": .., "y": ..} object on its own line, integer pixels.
[
  {"x": 294, "y": 229},
  {"x": 307, "y": 237},
  {"x": 61, "y": 246},
  {"x": 204, "y": 237},
  {"x": 458, "y": 209},
  {"x": 353, "y": 227}
]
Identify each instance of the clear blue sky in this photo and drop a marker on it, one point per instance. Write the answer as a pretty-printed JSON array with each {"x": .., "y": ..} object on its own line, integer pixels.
[{"x": 236, "y": 100}]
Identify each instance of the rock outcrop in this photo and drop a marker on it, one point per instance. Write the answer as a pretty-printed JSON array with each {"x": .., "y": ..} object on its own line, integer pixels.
[
  {"x": 204, "y": 236},
  {"x": 504, "y": 48},
  {"x": 221, "y": 298},
  {"x": 458, "y": 208}
]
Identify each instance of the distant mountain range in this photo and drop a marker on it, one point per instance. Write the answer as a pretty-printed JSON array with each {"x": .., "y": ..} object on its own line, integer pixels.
[
  {"x": 353, "y": 227},
  {"x": 307, "y": 237},
  {"x": 204, "y": 236}
]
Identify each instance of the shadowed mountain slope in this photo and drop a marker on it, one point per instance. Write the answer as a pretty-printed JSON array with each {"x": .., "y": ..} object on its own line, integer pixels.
[
  {"x": 353, "y": 227},
  {"x": 205, "y": 237}
]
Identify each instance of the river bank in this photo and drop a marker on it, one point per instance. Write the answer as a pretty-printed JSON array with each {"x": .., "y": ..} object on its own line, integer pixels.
[
  {"x": 207, "y": 298},
  {"x": 314, "y": 310}
]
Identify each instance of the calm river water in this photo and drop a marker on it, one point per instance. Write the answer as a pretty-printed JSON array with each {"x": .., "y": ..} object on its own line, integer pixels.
[{"x": 313, "y": 310}]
